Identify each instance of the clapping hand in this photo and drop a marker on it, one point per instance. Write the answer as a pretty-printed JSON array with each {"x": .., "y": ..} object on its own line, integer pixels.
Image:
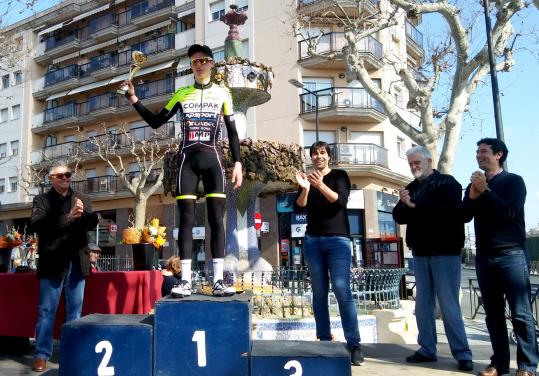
[
  {"x": 302, "y": 180},
  {"x": 315, "y": 179},
  {"x": 404, "y": 196},
  {"x": 76, "y": 210},
  {"x": 479, "y": 184}
]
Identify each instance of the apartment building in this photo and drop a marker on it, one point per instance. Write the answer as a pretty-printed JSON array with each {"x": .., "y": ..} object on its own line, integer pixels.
[{"x": 80, "y": 52}]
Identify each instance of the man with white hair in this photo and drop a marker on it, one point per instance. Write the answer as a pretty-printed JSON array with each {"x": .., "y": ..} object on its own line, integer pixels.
[{"x": 431, "y": 207}]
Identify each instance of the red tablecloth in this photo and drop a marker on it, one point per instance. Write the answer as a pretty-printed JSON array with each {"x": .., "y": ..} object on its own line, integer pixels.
[{"x": 106, "y": 292}]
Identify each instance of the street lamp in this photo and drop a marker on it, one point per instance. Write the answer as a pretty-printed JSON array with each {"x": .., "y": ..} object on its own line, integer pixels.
[
  {"x": 493, "y": 76},
  {"x": 299, "y": 85}
]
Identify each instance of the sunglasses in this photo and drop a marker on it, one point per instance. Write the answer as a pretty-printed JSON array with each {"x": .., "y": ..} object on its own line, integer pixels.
[
  {"x": 65, "y": 175},
  {"x": 203, "y": 60}
]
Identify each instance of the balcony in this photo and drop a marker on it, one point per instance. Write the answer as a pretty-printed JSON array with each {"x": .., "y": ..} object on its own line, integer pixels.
[
  {"x": 117, "y": 143},
  {"x": 146, "y": 12},
  {"x": 370, "y": 50},
  {"x": 103, "y": 28},
  {"x": 58, "y": 45},
  {"x": 323, "y": 7},
  {"x": 342, "y": 104},
  {"x": 352, "y": 154},
  {"x": 414, "y": 42},
  {"x": 101, "y": 107},
  {"x": 159, "y": 49}
]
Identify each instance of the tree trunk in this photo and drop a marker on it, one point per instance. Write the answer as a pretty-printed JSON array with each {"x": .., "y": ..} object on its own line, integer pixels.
[{"x": 140, "y": 210}]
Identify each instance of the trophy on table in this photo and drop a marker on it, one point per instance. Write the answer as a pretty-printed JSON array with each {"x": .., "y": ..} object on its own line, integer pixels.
[{"x": 138, "y": 59}]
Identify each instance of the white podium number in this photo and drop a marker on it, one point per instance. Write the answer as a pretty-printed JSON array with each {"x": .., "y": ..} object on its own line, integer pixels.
[
  {"x": 297, "y": 367},
  {"x": 200, "y": 338},
  {"x": 104, "y": 369}
]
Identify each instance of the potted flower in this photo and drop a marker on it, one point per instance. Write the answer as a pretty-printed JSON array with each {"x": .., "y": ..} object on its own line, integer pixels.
[
  {"x": 145, "y": 242},
  {"x": 8, "y": 241}
]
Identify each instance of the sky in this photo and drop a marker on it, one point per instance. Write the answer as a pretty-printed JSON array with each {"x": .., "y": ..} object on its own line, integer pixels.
[{"x": 519, "y": 107}]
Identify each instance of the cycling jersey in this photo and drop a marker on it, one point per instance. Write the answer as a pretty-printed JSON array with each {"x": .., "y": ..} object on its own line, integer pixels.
[{"x": 201, "y": 108}]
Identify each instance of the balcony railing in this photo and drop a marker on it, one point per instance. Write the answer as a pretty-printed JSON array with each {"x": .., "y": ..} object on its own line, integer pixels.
[
  {"x": 59, "y": 75},
  {"x": 156, "y": 45},
  {"x": 106, "y": 100},
  {"x": 414, "y": 34},
  {"x": 145, "y": 7},
  {"x": 310, "y": 2},
  {"x": 355, "y": 154},
  {"x": 59, "y": 40},
  {"x": 335, "y": 41},
  {"x": 339, "y": 97},
  {"x": 112, "y": 141}
]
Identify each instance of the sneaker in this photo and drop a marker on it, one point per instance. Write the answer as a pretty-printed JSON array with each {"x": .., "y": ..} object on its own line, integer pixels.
[
  {"x": 182, "y": 290},
  {"x": 221, "y": 289},
  {"x": 417, "y": 357},
  {"x": 356, "y": 356}
]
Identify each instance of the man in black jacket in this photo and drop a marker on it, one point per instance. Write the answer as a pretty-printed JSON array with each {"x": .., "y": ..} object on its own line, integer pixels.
[
  {"x": 430, "y": 206},
  {"x": 61, "y": 218},
  {"x": 495, "y": 199}
]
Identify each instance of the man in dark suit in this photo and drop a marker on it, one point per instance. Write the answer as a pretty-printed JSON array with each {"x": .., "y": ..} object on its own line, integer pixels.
[{"x": 61, "y": 218}]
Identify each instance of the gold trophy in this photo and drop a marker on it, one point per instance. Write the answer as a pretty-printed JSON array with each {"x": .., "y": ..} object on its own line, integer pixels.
[{"x": 138, "y": 59}]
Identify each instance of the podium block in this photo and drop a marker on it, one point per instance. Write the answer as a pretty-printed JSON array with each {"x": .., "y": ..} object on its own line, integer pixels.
[
  {"x": 203, "y": 335},
  {"x": 106, "y": 345},
  {"x": 276, "y": 358}
]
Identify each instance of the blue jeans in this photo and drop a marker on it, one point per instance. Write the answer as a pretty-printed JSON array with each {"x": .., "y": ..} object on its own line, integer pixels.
[
  {"x": 439, "y": 276},
  {"x": 329, "y": 257},
  {"x": 50, "y": 290},
  {"x": 506, "y": 274}
]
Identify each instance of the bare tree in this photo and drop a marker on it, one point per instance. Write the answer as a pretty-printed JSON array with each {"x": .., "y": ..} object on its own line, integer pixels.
[
  {"x": 123, "y": 147},
  {"x": 453, "y": 67}
]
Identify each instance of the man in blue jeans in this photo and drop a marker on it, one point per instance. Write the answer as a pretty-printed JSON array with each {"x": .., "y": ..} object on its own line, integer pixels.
[
  {"x": 431, "y": 207},
  {"x": 326, "y": 249},
  {"x": 495, "y": 199},
  {"x": 61, "y": 218}
]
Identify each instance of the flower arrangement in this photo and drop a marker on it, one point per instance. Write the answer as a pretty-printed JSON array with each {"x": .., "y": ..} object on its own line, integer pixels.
[
  {"x": 11, "y": 239},
  {"x": 151, "y": 233}
]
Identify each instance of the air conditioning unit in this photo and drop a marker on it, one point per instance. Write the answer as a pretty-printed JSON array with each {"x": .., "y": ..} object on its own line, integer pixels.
[
  {"x": 347, "y": 102},
  {"x": 346, "y": 149}
]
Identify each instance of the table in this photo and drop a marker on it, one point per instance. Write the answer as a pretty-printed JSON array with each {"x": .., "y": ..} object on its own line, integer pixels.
[{"x": 133, "y": 292}]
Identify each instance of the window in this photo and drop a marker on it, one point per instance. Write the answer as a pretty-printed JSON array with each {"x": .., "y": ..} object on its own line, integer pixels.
[
  {"x": 400, "y": 147},
  {"x": 3, "y": 150},
  {"x": 243, "y": 5},
  {"x": 18, "y": 78},
  {"x": 14, "y": 147},
  {"x": 13, "y": 184},
  {"x": 219, "y": 55},
  {"x": 217, "y": 10},
  {"x": 309, "y": 137},
  {"x": 16, "y": 112},
  {"x": 5, "y": 81},
  {"x": 3, "y": 115},
  {"x": 323, "y": 87},
  {"x": 366, "y": 138},
  {"x": 2, "y": 185}
]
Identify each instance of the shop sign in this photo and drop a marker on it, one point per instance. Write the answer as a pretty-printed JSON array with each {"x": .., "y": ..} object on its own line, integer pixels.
[
  {"x": 356, "y": 199},
  {"x": 285, "y": 202},
  {"x": 386, "y": 202},
  {"x": 298, "y": 225},
  {"x": 199, "y": 232}
]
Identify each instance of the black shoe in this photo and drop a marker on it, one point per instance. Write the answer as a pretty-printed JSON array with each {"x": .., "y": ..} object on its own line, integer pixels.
[
  {"x": 356, "y": 356},
  {"x": 417, "y": 357},
  {"x": 465, "y": 365}
]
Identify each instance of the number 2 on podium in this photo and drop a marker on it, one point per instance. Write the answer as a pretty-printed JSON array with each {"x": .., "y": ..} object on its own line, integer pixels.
[{"x": 200, "y": 338}]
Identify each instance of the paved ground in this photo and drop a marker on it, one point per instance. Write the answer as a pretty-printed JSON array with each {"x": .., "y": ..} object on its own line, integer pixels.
[{"x": 382, "y": 359}]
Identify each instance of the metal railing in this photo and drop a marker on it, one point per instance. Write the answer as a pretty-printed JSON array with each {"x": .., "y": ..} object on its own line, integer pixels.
[
  {"x": 145, "y": 7},
  {"x": 353, "y": 3},
  {"x": 60, "y": 40},
  {"x": 335, "y": 41},
  {"x": 143, "y": 91},
  {"x": 287, "y": 292},
  {"x": 360, "y": 154},
  {"x": 339, "y": 97},
  {"x": 414, "y": 34}
]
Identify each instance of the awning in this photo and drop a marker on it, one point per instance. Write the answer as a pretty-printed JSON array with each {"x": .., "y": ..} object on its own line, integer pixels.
[
  {"x": 50, "y": 29},
  {"x": 186, "y": 13},
  {"x": 87, "y": 87},
  {"x": 57, "y": 95},
  {"x": 74, "y": 19},
  {"x": 65, "y": 57},
  {"x": 144, "y": 31},
  {"x": 144, "y": 71},
  {"x": 99, "y": 46}
]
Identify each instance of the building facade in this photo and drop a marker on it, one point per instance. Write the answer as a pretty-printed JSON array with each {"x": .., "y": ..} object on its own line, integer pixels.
[{"x": 80, "y": 51}]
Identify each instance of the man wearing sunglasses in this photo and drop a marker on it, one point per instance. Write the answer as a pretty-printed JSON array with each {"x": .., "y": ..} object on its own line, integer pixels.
[
  {"x": 202, "y": 107},
  {"x": 60, "y": 217}
]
